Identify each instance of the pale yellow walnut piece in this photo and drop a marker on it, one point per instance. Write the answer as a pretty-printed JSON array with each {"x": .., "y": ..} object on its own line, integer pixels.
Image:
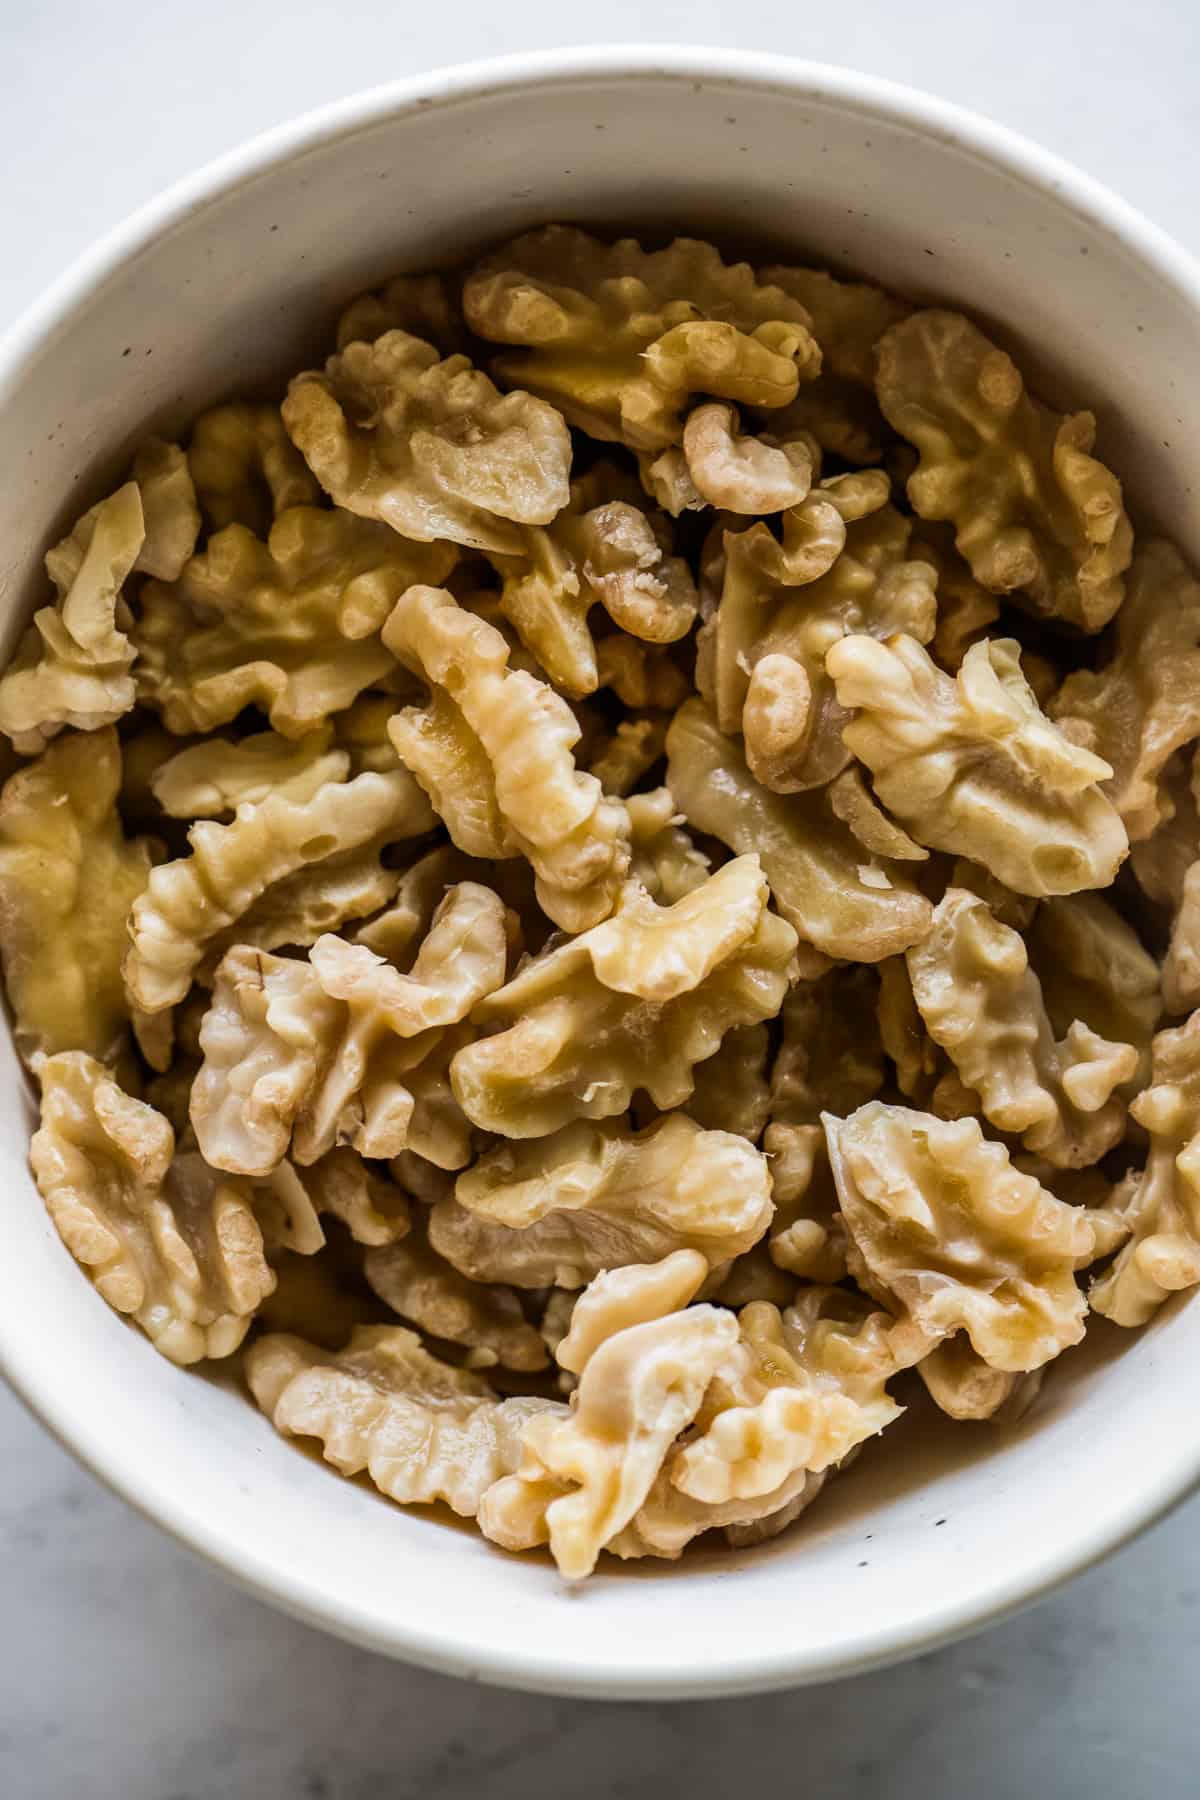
[
  {"x": 639, "y": 674},
  {"x": 1143, "y": 702},
  {"x": 290, "y": 625},
  {"x": 668, "y": 1520},
  {"x": 630, "y": 752},
  {"x": 840, "y": 897},
  {"x": 830, "y": 1058},
  {"x": 1093, "y": 966},
  {"x": 664, "y": 859},
  {"x": 323, "y": 1052},
  {"x": 732, "y": 1092},
  {"x": 806, "y": 1236},
  {"x": 429, "y": 447},
  {"x": 218, "y": 776},
  {"x": 965, "y": 610},
  {"x": 799, "y": 1390},
  {"x": 396, "y": 932},
  {"x": 603, "y": 549},
  {"x": 68, "y": 878},
  {"x": 1035, "y": 515},
  {"x": 73, "y": 666},
  {"x": 245, "y": 468},
  {"x": 162, "y": 1238},
  {"x": 485, "y": 1318},
  {"x": 982, "y": 1003},
  {"x": 289, "y": 1203},
  {"x": 741, "y": 473},
  {"x": 665, "y": 478},
  {"x": 492, "y": 748},
  {"x": 316, "y": 898},
  {"x": 874, "y": 587},
  {"x": 1163, "y": 1254},
  {"x": 232, "y": 868},
  {"x": 633, "y": 1003},
  {"x": 963, "y": 1386},
  {"x": 556, "y": 1211},
  {"x": 425, "y": 305},
  {"x": 583, "y": 1477},
  {"x": 422, "y": 1430},
  {"x": 852, "y": 801},
  {"x": 973, "y": 767},
  {"x": 621, "y": 338},
  {"x": 169, "y": 510},
  {"x": 1111, "y": 1205},
  {"x": 848, "y": 317},
  {"x": 949, "y": 1235}
]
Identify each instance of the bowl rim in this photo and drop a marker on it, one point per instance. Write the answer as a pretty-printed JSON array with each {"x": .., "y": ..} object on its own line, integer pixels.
[{"x": 447, "y": 1648}]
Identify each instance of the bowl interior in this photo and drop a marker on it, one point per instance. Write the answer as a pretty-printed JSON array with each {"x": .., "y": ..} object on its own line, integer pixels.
[{"x": 237, "y": 281}]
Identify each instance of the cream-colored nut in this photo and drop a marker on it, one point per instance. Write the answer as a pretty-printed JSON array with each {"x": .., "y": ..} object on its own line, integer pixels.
[
  {"x": 776, "y": 716},
  {"x": 852, "y": 801},
  {"x": 963, "y": 1386},
  {"x": 639, "y": 674},
  {"x": 633, "y": 1003},
  {"x": 245, "y": 468},
  {"x": 630, "y": 752},
  {"x": 982, "y": 1003},
  {"x": 620, "y": 338},
  {"x": 947, "y": 1233},
  {"x": 72, "y": 667},
  {"x": 492, "y": 748},
  {"x": 663, "y": 859},
  {"x": 161, "y": 1237},
  {"x": 583, "y": 1477},
  {"x": 217, "y": 776},
  {"x": 68, "y": 878},
  {"x": 373, "y": 1209},
  {"x": 232, "y": 868},
  {"x": 558, "y": 1210},
  {"x": 974, "y": 767},
  {"x": 328, "y": 1051},
  {"x": 1144, "y": 702},
  {"x": 430, "y": 447},
  {"x": 290, "y": 625},
  {"x": 421, "y": 1430},
  {"x": 605, "y": 549},
  {"x": 1163, "y": 1254},
  {"x": 616, "y": 1299},
  {"x": 744, "y": 474},
  {"x": 806, "y": 1236},
  {"x": 486, "y": 1318},
  {"x": 840, "y": 898},
  {"x": 1035, "y": 515},
  {"x": 395, "y": 933},
  {"x": 666, "y": 479},
  {"x": 848, "y": 317},
  {"x": 1092, "y": 966}
]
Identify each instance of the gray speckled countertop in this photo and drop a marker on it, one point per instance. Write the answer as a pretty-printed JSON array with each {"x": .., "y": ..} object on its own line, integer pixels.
[{"x": 128, "y": 1671}]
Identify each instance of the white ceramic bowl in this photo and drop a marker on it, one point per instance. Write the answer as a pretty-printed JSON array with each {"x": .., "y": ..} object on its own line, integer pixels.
[{"x": 237, "y": 274}]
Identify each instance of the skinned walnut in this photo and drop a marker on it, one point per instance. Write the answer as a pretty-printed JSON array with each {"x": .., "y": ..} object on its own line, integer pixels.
[
  {"x": 234, "y": 868},
  {"x": 972, "y": 766},
  {"x": 982, "y": 1003},
  {"x": 492, "y": 748},
  {"x": 430, "y": 447},
  {"x": 946, "y": 1232},
  {"x": 1035, "y": 515},
  {"x": 245, "y": 468},
  {"x": 422, "y": 1430},
  {"x": 620, "y": 338},
  {"x": 68, "y": 877},
  {"x": 634, "y": 1003},
  {"x": 556, "y": 1211},
  {"x": 839, "y": 897},
  {"x": 169, "y": 1243},
  {"x": 290, "y": 625},
  {"x": 217, "y": 776},
  {"x": 486, "y": 1317}
]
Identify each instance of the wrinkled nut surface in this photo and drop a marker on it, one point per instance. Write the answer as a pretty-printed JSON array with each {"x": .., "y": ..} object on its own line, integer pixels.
[
  {"x": 838, "y": 897},
  {"x": 485, "y": 1317},
  {"x": 68, "y": 878},
  {"x": 216, "y": 777},
  {"x": 162, "y": 1238},
  {"x": 1163, "y": 1254},
  {"x": 663, "y": 858},
  {"x": 556, "y": 1211},
  {"x": 620, "y": 338},
  {"x": 492, "y": 749},
  {"x": 189, "y": 902},
  {"x": 1035, "y": 515},
  {"x": 973, "y": 766},
  {"x": 634, "y": 1003},
  {"x": 947, "y": 1233},
  {"x": 982, "y": 1003},
  {"x": 429, "y": 447},
  {"x": 422, "y": 1430},
  {"x": 745, "y": 474},
  {"x": 73, "y": 666},
  {"x": 245, "y": 469},
  {"x": 290, "y": 624}
]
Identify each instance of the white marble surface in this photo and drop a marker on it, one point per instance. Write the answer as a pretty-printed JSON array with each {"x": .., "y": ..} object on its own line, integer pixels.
[{"x": 130, "y": 1672}]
